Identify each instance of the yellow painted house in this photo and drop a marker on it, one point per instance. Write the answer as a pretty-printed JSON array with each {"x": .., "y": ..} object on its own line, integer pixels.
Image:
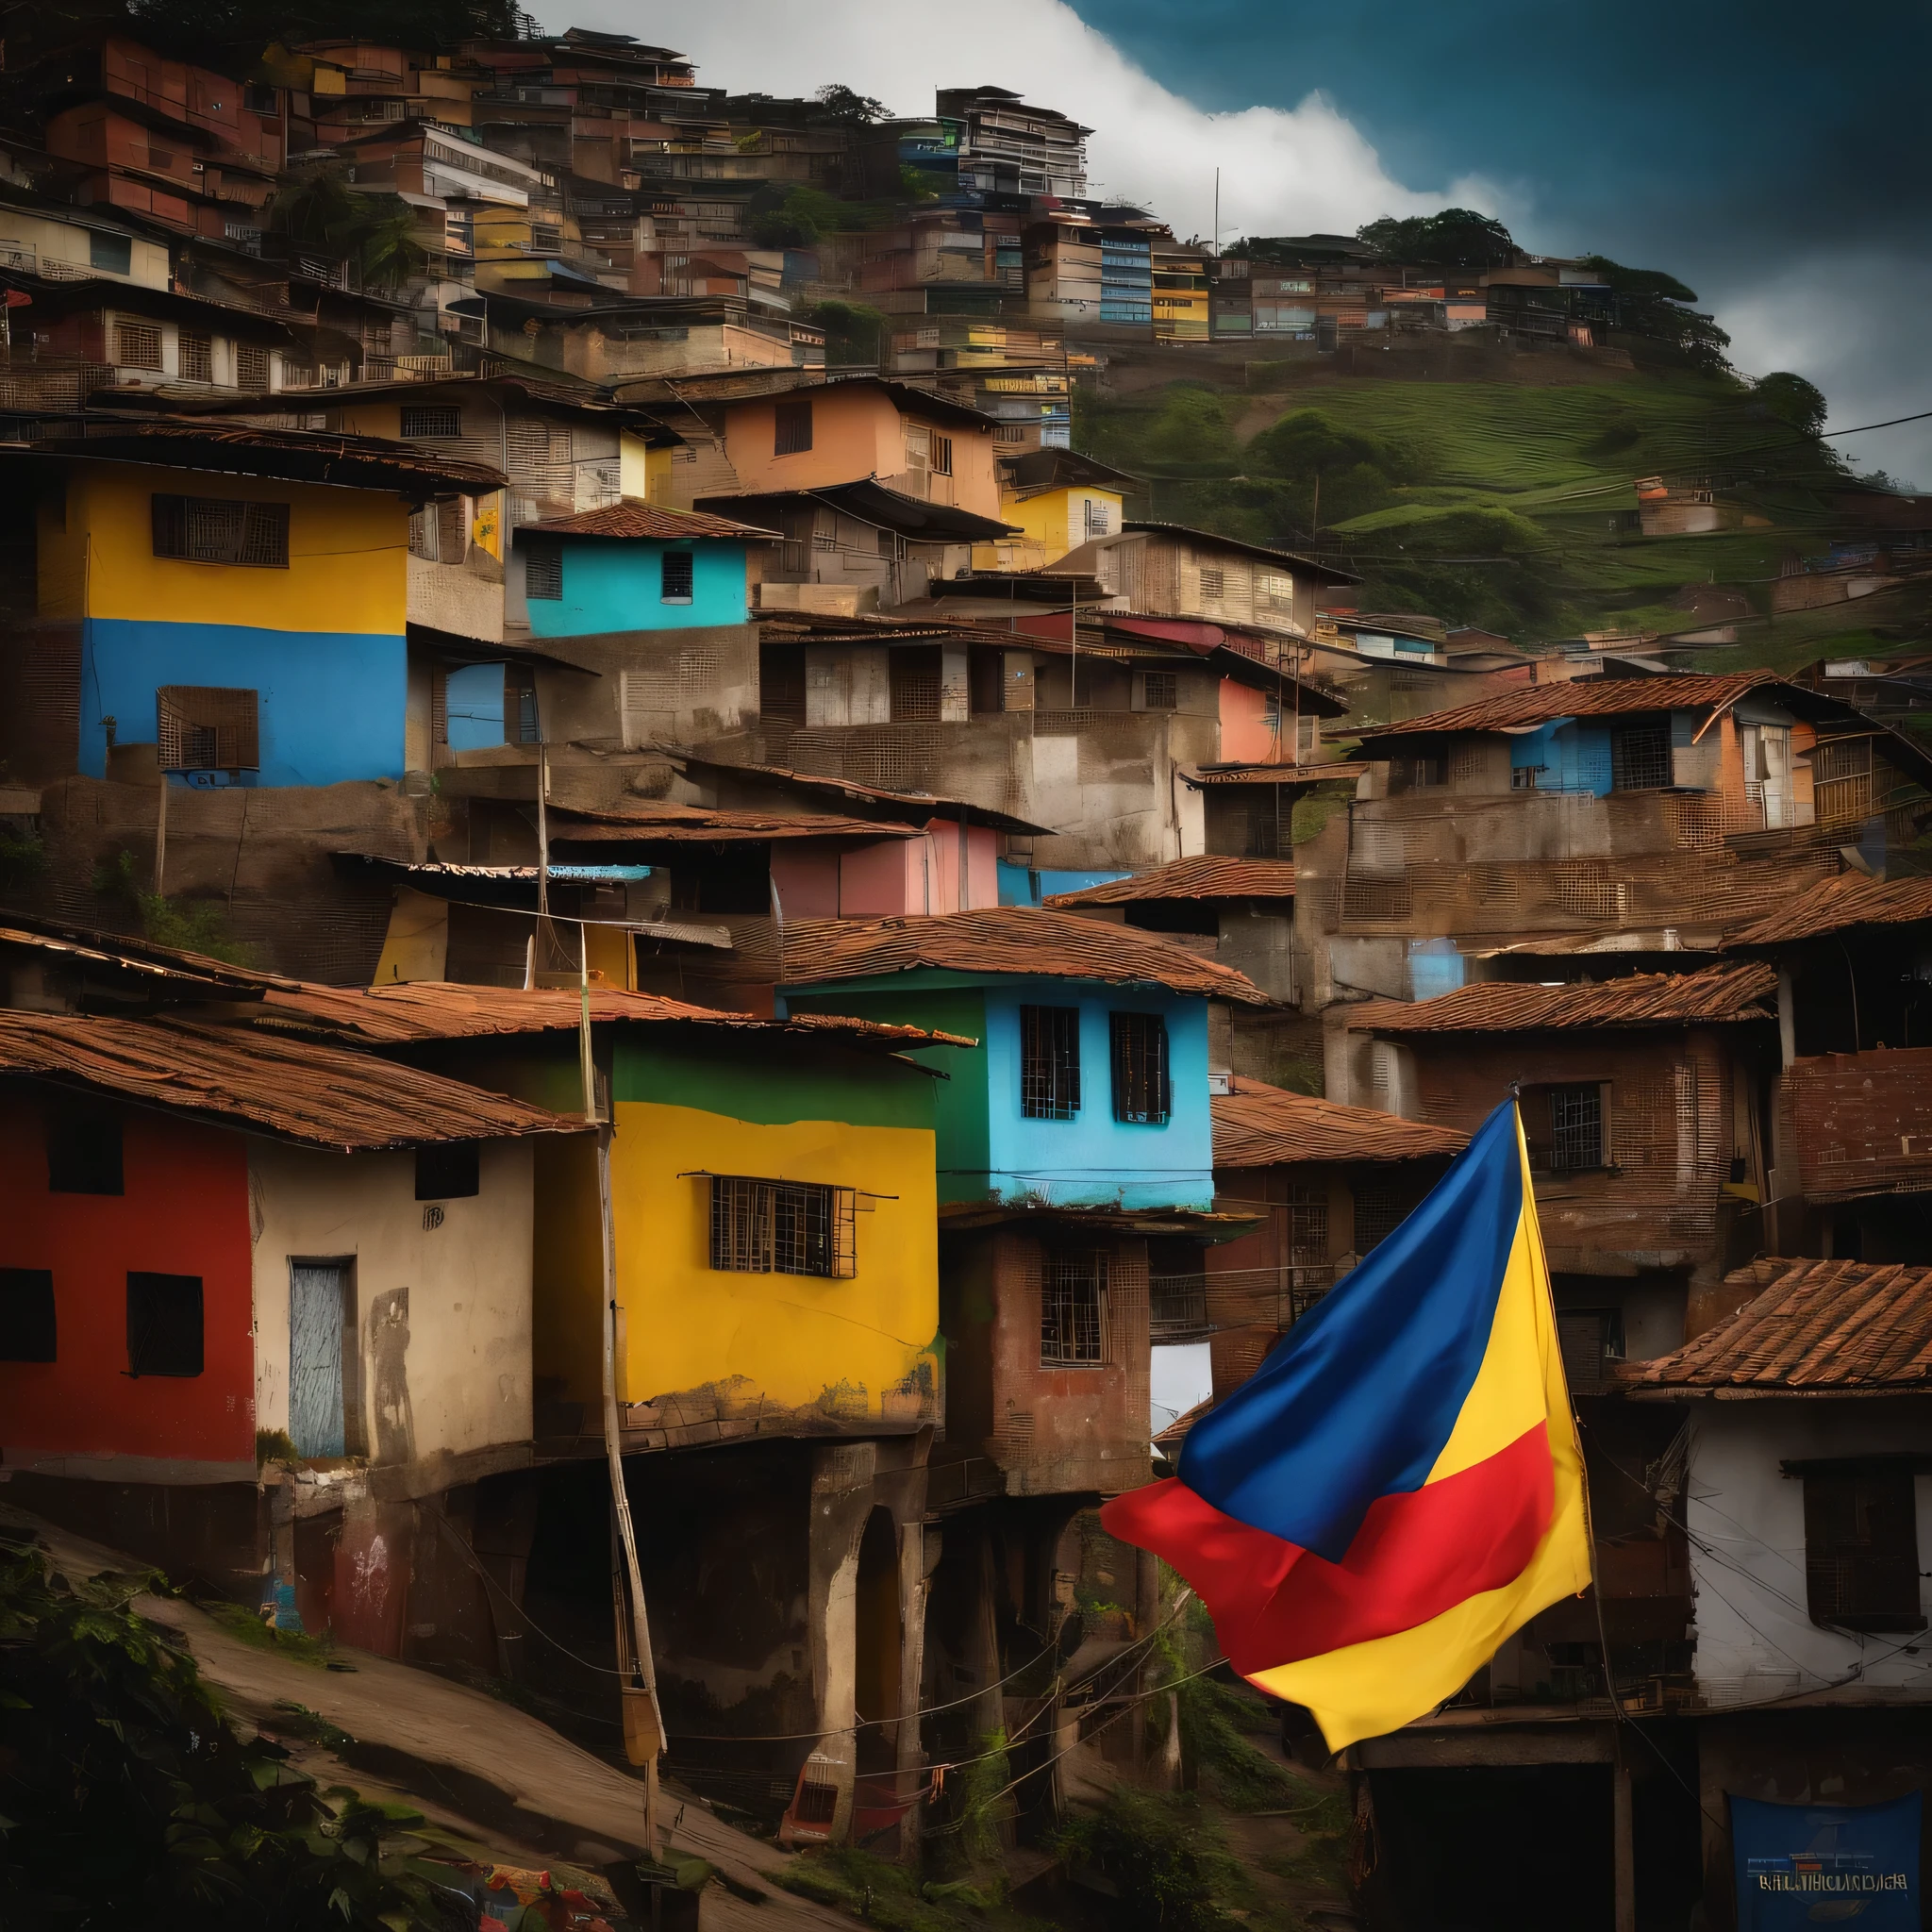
[{"x": 1058, "y": 501}]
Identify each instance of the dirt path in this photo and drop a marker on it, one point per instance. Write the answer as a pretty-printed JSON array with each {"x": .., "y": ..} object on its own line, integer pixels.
[{"x": 481, "y": 1767}]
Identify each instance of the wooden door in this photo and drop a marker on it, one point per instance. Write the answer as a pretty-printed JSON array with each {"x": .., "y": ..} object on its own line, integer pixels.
[{"x": 318, "y": 1292}]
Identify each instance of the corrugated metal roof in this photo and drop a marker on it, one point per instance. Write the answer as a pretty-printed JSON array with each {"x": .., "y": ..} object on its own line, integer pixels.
[
  {"x": 1021, "y": 940},
  {"x": 1810, "y": 1327},
  {"x": 632, "y": 517},
  {"x": 1643, "y": 999},
  {"x": 1593, "y": 697},
  {"x": 441, "y": 1009},
  {"x": 1834, "y": 904},
  {"x": 1207, "y": 876},
  {"x": 290, "y": 1088},
  {"x": 1273, "y": 774},
  {"x": 661, "y": 822},
  {"x": 185, "y": 972},
  {"x": 1135, "y": 526},
  {"x": 1255, "y": 1125}
]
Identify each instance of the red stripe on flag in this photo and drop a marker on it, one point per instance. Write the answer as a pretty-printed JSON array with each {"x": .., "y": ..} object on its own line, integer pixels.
[{"x": 1416, "y": 1555}]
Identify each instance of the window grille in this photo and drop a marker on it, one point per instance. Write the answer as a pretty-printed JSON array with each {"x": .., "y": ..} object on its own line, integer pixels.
[
  {"x": 913, "y": 676},
  {"x": 1641, "y": 756},
  {"x": 448, "y": 1170},
  {"x": 793, "y": 428},
  {"x": 297, "y": 374},
  {"x": 26, "y": 1315},
  {"x": 1590, "y": 1342},
  {"x": 1213, "y": 583},
  {"x": 941, "y": 456},
  {"x": 1576, "y": 1128},
  {"x": 163, "y": 1325},
  {"x": 1161, "y": 690},
  {"x": 1141, "y": 1090},
  {"x": 1177, "y": 1308},
  {"x": 203, "y": 728},
  {"x": 137, "y": 345},
  {"x": 1842, "y": 770},
  {"x": 1308, "y": 1228},
  {"x": 196, "y": 355},
  {"x": 783, "y": 1227},
  {"x": 1049, "y": 1062},
  {"x": 431, "y": 422},
  {"x": 678, "y": 577},
  {"x": 222, "y": 530},
  {"x": 1378, "y": 1212},
  {"x": 1073, "y": 1310},
  {"x": 543, "y": 572},
  {"x": 1861, "y": 1549},
  {"x": 251, "y": 366}
]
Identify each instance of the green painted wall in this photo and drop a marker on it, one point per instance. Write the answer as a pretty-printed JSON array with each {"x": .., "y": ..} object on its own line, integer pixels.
[{"x": 769, "y": 1081}]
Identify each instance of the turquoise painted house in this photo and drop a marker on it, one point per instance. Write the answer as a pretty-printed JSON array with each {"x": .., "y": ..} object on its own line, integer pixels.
[
  {"x": 633, "y": 566},
  {"x": 1088, "y": 1087}
]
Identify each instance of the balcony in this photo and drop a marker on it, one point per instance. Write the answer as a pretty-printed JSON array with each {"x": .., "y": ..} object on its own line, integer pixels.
[{"x": 1862, "y": 1123}]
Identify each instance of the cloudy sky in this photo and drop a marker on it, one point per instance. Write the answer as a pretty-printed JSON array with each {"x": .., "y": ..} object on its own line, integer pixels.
[{"x": 1771, "y": 155}]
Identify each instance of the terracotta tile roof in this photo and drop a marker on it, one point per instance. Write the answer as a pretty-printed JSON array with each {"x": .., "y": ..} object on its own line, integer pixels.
[
  {"x": 290, "y": 1088},
  {"x": 1643, "y": 999},
  {"x": 1592, "y": 697},
  {"x": 632, "y": 517},
  {"x": 1168, "y": 1441},
  {"x": 1833, "y": 905},
  {"x": 1255, "y": 1125},
  {"x": 1204, "y": 878},
  {"x": 1810, "y": 1327},
  {"x": 441, "y": 1009},
  {"x": 1022, "y": 940}
]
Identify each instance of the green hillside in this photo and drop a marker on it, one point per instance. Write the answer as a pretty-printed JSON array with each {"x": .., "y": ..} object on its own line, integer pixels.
[{"x": 1507, "y": 503}]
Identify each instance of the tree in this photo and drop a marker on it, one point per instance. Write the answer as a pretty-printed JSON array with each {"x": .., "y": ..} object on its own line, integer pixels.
[
  {"x": 1792, "y": 400},
  {"x": 852, "y": 110},
  {"x": 1453, "y": 238},
  {"x": 320, "y": 206},
  {"x": 1648, "y": 305}
]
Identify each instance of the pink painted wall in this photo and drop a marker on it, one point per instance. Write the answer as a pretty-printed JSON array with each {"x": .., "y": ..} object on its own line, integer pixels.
[
  {"x": 808, "y": 881},
  {"x": 1247, "y": 735},
  {"x": 914, "y": 876}
]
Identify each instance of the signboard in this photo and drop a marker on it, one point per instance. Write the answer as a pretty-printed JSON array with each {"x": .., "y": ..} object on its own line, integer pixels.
[{"x": 1805, "y": 1865}]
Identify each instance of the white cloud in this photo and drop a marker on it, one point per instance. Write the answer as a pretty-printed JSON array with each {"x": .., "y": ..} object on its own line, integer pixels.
[{"x": 1283, "y": 170}]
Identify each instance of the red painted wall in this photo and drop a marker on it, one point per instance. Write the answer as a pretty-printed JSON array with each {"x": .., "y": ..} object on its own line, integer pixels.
[{"x": 185, "y": 1211}]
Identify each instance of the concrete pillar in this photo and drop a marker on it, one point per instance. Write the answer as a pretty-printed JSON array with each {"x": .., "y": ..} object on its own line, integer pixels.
[
  {"x": 1623, "y": 1846},
  {"x": 841, "y": 1498},
  {"x": 919, "y": 1555}
]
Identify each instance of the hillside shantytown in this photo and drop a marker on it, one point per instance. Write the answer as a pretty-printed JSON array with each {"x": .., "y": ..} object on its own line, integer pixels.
[{"x": 725, "y": 823}]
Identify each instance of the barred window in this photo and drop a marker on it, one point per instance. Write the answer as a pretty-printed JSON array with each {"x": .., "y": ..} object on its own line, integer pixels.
[
  {"x": 431, "y": 422},
  {"x": 222, "y": 530},
  {"x": 1378, "y": 1212},
  {"x": 1049, "y": 1062},
  {"x": 137, "y": 345},
  {"x": 1641, "y": 756},
  {"x": 783, "y": 1227},
  {"x": 678, "y": 577},
  {"x": 942, "y": 454},
  {"x": 793, "y": 428},
  {"x": 1161, "y": 690},
  {"x": 197, "y": 357},
  {"x": 1576, "y": 1128},
  {"x": 1308, "y": 1227},
  {"x": 1073, "y": 1310},
  {"x": 251, "y": 366},
  {"x": 1213, "y": 582},
  {"x": 203, "y": 728},
  {"x": 543, "y": 571},
  {"x": 1862, "y": 1548},
  {"x": 1141, "y": 1089}
]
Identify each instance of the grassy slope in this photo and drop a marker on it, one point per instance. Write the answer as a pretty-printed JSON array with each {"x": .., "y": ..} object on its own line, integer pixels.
[{"x": 1560, "y": 460}]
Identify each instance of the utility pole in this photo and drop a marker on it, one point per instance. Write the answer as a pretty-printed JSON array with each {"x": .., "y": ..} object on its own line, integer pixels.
[{"x": 1216, "y": 250}]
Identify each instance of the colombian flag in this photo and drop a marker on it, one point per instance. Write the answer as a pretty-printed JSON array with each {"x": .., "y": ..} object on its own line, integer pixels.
[{"x": 1400, "y": 1485}]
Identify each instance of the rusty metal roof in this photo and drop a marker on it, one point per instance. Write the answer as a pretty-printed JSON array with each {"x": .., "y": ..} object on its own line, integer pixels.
[
  {"x": 1834, "y": 904},
  {"x": 1168, "y": 1441},
  {"x": 1809, "y": 1329},
  {"x": 1022, "y": 940},
  {"x": 1593, "y": 697},
  {"x": 632, "y": 517},
  {"x": 1643, "y": 999},
  {"x": 293, "y": 1089},
  {"x": 1272, "y": 774},
  {"x": 659, "y": 821},
  {"x": 417, "y": 1011},
  {"x": 1207, "y": 876},
  {"x": 187, "y": 975},
  {"x": 1255, "y": 1125}
]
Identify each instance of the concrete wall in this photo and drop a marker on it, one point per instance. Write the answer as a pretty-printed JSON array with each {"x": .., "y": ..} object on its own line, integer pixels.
[{"x": 442, "y": 1314}]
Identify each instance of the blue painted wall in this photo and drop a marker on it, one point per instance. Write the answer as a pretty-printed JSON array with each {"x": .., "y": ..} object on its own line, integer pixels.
[
  {"x": 1090, "y": 1160},
  {"x": 612, "y": 584},
  {"x": 1575, "y": 756},
  {"x": 1026, "y": 885},
  {"x": 331, "y": 702}
]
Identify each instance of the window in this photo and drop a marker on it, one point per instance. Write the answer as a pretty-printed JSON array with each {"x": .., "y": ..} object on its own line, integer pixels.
[
  {"x": 113, "y": 253},
  {"x": 432, "y": 423},
  {"x": 222, "y": 530},
  {"x": 1213, "y": 582},
  {"x": 1576, "y": 1128},
  {"x": 1072, "y": 1310},
  {"x": 1161, "y": 690},
  {"x": 26, "y": 1315},
  {"x": 1862, "y": 1547},
  {"x": 251, "y": 366},
  {"x": 137, "y": 345},
  {"x": 1099, "y": 518},
  {"x": 782, "y": 1227},
  {"x": 196, "y": 355},
  {"x": 1641, "y": 756},
  {"x": 543, "y": 572},
  {"x": 260, "y": 98},
  {"x": 1523, "y": 777},
  {"x": 1378, "y": 1212},
  {"x": 793, "y": 428},
  {"x": 83, "y": 1152},
  {"x": 448, "y": 1170},
  {"x": 677, "y": 576},
  {"x": 1140, "y": 1086},
  {"x": 1049, "y": 1062},
  {"x": 204, "y": 728},
  {"x": 163, "y": 1325},
  {"x": 520, "y": 715},
  {"x": 1590, "y": 1342},
  {"x": 941, "y": 448}
]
